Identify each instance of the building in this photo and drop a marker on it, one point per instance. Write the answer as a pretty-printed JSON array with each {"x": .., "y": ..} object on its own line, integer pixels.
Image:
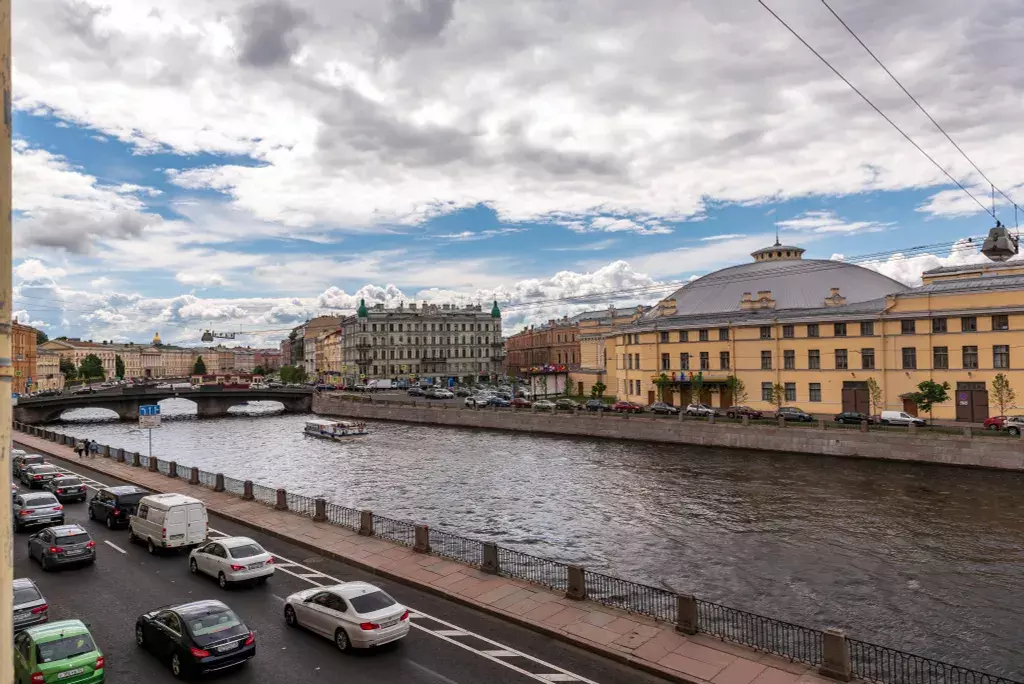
[
  {"x": 245, "y": 359},
  {"x": 594, "y": 328},
  {"x": 285, "y": 353},
  {"x": 131, "y": 357},
  {"x": 301, "y": 345},
  {"x": 554, "y": 343},
  {"x": 268, "y": 359},
  {"x": 430, "y": 343},
  {"x": 821, "y": 333},
  {"x": 329, "y": 355},
  {"x": 176, "y": 362},
  {"x": 23, "y": 349},
  {"x": 75, "y": 351},
  {"x": 47, "y": 374}
]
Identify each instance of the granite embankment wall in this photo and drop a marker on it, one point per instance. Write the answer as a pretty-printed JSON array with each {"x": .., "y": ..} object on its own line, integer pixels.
[{"x": 978, "y": 451}]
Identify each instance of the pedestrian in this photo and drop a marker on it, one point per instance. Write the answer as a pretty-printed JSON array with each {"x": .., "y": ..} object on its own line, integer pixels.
[
  {"x": 80, "y": 448},
  {"x": 93, "y": 449}
]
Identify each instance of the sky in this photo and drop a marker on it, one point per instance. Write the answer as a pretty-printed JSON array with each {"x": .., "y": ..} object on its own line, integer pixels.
[{"x": 243, "y": 166}]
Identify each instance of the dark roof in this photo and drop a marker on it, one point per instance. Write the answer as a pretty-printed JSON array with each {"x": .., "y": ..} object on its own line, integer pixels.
[
  {"x": 126, "y": 489},
  {"x": 972, "y": 285}
]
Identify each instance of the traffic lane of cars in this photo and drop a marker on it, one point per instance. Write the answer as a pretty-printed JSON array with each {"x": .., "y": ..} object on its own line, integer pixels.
[
  {"x": 126, "y": 581},
  {"x": 565, "y": 657}
]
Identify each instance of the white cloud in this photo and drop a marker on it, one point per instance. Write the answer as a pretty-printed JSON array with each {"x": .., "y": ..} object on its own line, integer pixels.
[
  {"x": 908, "y": 270},
  {"x": 468, "y": 235},
  {"x": 24, "y": 318},
  {"x": 726, "y": 236},
  {"x": 34, "y": 269},
  {"x": 829, "y": 222},
  {"x": 201, "y": 279},
  {"x": 608, "y": 224}
]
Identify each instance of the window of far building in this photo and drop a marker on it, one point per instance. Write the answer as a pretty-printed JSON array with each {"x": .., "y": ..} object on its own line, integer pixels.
[
  {"x": 705, "y": 361},
  {"x": 766, "y": 332},
  {"x": 867, "y": 359},
  {"x": 684, "y": 361},
  {"x": 839, "y": 329},
  {"x": 814, "y": 359},
  {"x": 666, "y": 362},
  {"x": 723, "y": 360},
  {"x": 908, "y": 327},
  {"x": 1001, "y": 322},
  {"x": 787, "y": 331},
  {"x": 841, "y": 359},
  {"x": 1001, "y": 356},
  {"x": 766, "y": 360},
  {"x": 940, "y": 358},
  {"x": 814, "y": 391},
  {"x": 938, "y": 325},
  {"x": 629, "y": 362},
  {"x": 969, "y": 324},
  {"x": 684, "y": 335},
  {"x": 813, "y": 330},
  {"x": 867, "y": 329},
  {"x": 790, "y": 391},
  {"x": 970, "y": 355},
  {"x": 789, "y": 359},
  {"x": 663, "y": 336},
  {"x": 909, "y": 358},
  {"x": 702, "y": 335},
  {"x": 723, "y": 334},
  {"x": 766, "y": 391}
]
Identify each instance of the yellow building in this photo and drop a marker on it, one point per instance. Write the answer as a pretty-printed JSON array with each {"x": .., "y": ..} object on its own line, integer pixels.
[
  {"x": 75, "y": 351},
  {"x": 329, "y": 353},
  {"x": 594, "y": 329},
  {"x": 23, "y": 350},
  {"x": 820, "y": 330},
  {"x": 48, "y": 375}
]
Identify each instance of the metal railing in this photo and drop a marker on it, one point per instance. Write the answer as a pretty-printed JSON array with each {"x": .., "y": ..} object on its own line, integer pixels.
[
  {"x": 264, "y": 494},
  {"x": 398, "y": 531},
  {"x": 233, "y": 486},
  {"x": 303, "y": 505},
  {"x": 163, "y": 467},
  {"x": 636, "y": 598},
  {"x": 534, "y": 569},
  {"x": 885, "y": 665},
  {"x": 762, "y": 633},
  {"x": 342, "y": 515},
  {"x": 456, "y": 547},
  {"x": 143, "y": 460},
  {"x": 207, "y": 479}
]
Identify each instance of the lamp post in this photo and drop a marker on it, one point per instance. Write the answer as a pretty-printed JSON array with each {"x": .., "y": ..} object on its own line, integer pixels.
[{"x": 6, "y": 365}]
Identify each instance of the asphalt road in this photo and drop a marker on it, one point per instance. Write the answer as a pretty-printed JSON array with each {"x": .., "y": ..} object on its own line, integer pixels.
[{"x": 449, "y": 644}]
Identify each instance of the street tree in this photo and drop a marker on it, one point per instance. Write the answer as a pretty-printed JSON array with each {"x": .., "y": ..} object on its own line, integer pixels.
[
  {"x": 67, "y": 367},
  {"x": 874, "y": 395},
  {"x": 41, "y": 337},
  {"x": 1003, "y": 394},
  {"x": 778, "y": 395},
  {"x": 91, "y": 368},
  {"x": 930, "y": 393},
  {"x": 199, "y": 367},
  {"x": 696, "y": 388},
  {"x": 259, "y": 370},
  {"x": 738, "y": 390},
  {"x": 118, "y": 367},
  {"x": 598, "y": 390}
]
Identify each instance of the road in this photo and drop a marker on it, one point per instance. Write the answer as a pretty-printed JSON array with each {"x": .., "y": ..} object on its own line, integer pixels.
[{"x": 449, "y": 644}]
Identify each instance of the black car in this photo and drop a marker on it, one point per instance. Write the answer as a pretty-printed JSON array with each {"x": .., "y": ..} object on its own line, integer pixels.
[
  {"x": 416, "y": 392},
  {"x": 793, "y": 413},
  {"x": 500, "y": 402},
  {"x": 62, "y": 545},
  {"x": 84, "y": 390},
  {"x": 19, "y": 462},
  {"x": 36, "y": 476},
  {"x": 852, "y": 417},
  {"x": 115, "y": 505},
  {"x": 66, "y": 488},
  {"x": 662, "y": 407},
  {"x": 596, "y": 405},
  {"x": 196, "y": 638}
]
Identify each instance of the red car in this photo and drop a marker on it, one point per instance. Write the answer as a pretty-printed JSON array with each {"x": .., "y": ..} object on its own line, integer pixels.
[
  {"x": 519, "y": 402},
  {"x": 627, "y": 407},
  {"x": 995, "y": 422},
  {"x": 740, "y": 411}
]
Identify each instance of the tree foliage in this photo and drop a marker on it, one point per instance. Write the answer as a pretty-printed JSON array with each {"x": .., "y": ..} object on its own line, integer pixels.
[
  {"x": 598, "y": 390},
  {"x": 41, "y": 337},
  {"x": 67, "y": 367},
  {"x": 91, "y": 368},
  {"x": 738, "y": 390},
  {"x": 293, "y": 374},
  {"x": 118, "y": 366},
  {"x": 259, "y": 370},
  {"x": 662, "y": 381},
  {"x": 696, "y": 388},
  {"x": 778, "y": 395},
  {"x": 874, "y": 395},
  {"x": 199, "y": 367},
  {"x": 930, "y": 393},
  {"x": 1003, "y": 394}
]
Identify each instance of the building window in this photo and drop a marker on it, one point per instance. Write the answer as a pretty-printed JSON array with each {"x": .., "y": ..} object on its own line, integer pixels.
[
  {"x": 723, "y": 360},
  {"x": 814, "y": 391},
  {"x": 663, "y": 337},
  {"x": 790, "y": 391},
  {"x": 666, "y": 364},
  {"x": 787, "y": 332},
  {"x": 910, "y": 358},
  {"x": 1001, "y": 322},
  {"x": 684, "y": 361},
  {"x": 789, "y": 359},
  {"x": 766, "y": 392},
  {"x": 702, "y": 335},
  {"x": 908, "y": 327},
  {"x": 636, "y": 360},
  {"x": 812, "y": 330},
  {"x": 705, "y": 361},
  {"x": 766, "y": 360},
  {"x": 814, "y": 359},
  {"x": 723, "y": 334},
  {"x": 940, "y": 357},
  {"x": 938, "y": 325},
  {"x": 1001, "y": 356},
  {"x": 968, "y": 324},
  {"x": 970, "y": 357},
  {"x": 867, "y": 359},
  {"x": 867, "y": 329},
  {"x": 629, "y": 362},
  {"x": 841, "y": 359},
  {"x": 684, "y": 335},
  {"x": 839, "y": 329},
  {"x": 766, "y": 332}
]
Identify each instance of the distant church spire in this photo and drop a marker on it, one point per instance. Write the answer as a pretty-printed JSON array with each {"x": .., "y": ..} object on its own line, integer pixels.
[{"x": 777, "y": 243}]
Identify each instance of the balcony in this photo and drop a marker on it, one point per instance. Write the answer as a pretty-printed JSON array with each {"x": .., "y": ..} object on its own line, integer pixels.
[
  {"x": 434, "y": 359},
  {"x": 497, "y": 344},
  {"x": 362, "y": 345}
]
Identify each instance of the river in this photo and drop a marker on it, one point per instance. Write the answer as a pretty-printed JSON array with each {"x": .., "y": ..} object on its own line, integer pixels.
[{"x": 925, "y": 559}]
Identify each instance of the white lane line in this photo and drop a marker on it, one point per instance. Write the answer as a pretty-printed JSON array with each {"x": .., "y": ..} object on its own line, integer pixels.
[
  {"x": 114, "y": 546},
  {"x": 313, "y": 577},
  {"x": 450, "y": 632},
  {"x": 499, "y": 654}
]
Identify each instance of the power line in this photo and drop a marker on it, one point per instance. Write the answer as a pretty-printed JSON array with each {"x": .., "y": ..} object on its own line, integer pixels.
[
  {"x": 875, "y": 107},
  {"x": 921, "y": 107}
]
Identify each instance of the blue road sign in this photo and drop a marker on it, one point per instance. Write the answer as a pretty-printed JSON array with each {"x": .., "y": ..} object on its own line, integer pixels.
[{"x": 152, "y": 410}]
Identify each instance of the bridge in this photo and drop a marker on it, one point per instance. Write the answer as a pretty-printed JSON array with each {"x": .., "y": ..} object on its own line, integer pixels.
[{"x": 211, "y": 401}]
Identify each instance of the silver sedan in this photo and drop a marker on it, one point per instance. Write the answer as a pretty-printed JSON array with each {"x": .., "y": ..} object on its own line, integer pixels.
[{"x": 352, "y": 614}]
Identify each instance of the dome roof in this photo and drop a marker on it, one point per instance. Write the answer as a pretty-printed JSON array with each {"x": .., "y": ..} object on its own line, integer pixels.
[{"x": 794, "y": 283}]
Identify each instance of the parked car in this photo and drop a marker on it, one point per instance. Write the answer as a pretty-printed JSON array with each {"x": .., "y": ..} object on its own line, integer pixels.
[
  {"x": 232, "y": 560},
  {"x": 352, "y": 614},
  {"x": 115, "y": 505},
  {"x": 475, "y": 402},
  {"x": 196, "y": 638},
  {"x": 663, "y": 408},
  {"x": 84, "y": 390},
  {"x": 520, "y": 402},
  {"x": 22, "y": 460},
  {"x": 900, "y": 418},
  {"x": 793, "y": 413},
  {"x": 30, "y": 606},
  {"x": 463, "y": 392},
  {"x": 36, "y": 476},
  {"x": 994, "y": 422},
  {"x": 62, "y": 651},
  {"x": 852, "y": 418},
  {"x": 416, "y": 391},
  {"x": 1014, "y": 425},
  {"x": 627, "y": 407},
  {"x": 14, "y": 489},
  {"x": 596, "y": 405},
  {"x": 66, "y": 488},
  {"x": 36, "y": 508},
  {"x": 169, "y": 521},
  {"x": 701, "y": 410},
  {"x": 740, "y": 411},
  {"x": 566, "y": 405},
  {"x": 62, "y": 545},
  {"x": 499, "y": 402},
  {"x": 544, "y": 404}
]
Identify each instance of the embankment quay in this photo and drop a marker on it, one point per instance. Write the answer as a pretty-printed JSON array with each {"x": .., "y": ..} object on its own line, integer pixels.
[
  {"x": 956, "y": 447},
  {"x": 598, "y": 613}
]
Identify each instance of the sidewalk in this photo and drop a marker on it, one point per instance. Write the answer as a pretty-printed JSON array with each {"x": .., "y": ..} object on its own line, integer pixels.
[{"x": 653, "y": 646}]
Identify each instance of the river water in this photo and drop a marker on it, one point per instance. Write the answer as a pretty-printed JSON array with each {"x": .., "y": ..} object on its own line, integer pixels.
[{"x": 921, "y": 558}]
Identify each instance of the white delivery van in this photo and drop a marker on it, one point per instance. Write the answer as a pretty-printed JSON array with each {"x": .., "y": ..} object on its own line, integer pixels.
[
  {"x": 169, "y": 521},
  {"x": 900, "y": 418}
]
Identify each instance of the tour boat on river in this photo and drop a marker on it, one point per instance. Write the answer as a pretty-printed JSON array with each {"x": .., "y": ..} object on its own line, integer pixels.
[{"x": 334, "y": 429}]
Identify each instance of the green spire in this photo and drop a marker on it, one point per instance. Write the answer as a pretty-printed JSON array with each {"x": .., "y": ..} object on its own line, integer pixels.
[
  {"x": 495, "y": 311},
  {"x": 362, "y": 312}
]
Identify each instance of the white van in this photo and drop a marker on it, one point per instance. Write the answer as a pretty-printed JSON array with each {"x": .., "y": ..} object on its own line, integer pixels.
[
  {"x": 899, "y": 418},
  {"x": 169, "y": 521}
]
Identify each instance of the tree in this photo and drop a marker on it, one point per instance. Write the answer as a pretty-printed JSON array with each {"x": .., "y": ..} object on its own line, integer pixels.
[
  {"x": 543, "y": 383},
  {"x": 41, "y": 337},
  {"x": 199, "y": 367},
  {"x": 778, "y": 395},
  {"x": 696, "y": 388},
  {"x": 1003, "y": 394},
  {"x": 259, "y": 370},
  {"x": 738, "y": 390},
  {"x": 874, "y": 396},
  {"x": 67, "y": 367},
  {"x": 662, "y": 381},
  {"x": 598, "y": 390},
  {"x": 91, "y": 367},
  {"x": 930, "y": 393},
  {"x": 118, "y": 367},
  {"x": 293, "y": 374}
]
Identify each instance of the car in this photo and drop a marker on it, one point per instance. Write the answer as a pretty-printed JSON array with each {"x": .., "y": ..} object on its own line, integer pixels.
[
  {"x": 169, "y": 521},
  {"x": 994, "y": 422},
  {"x": 596, "y": 405},
  {"x": 232, "y": 560},
  {"x": 196, "y": 638},
  {"x": 36, "y": 508},
  {"x": 627, "y": 407},
  {"x": 66, "y": 488},
  {"x": 352, "y": 614},
  {"x": 566, "y": 405},
  {"x": 792, "y": 413},
  {"x": 440, "y": 394},
  {"x": 416, "y": 392},
  {"x": 900, "y": 418},
  {"x": 62, "y": 545},
  {"x": 520, "y": 402},
  {"x": 22, "y": 460},
  {"x": 463, "y": 392},
  {"x": 115, "y": 506},
  {"x": 84, "y": 390},
  {"x": 62, "y": 651},
  {"x": 740, "y": 411},
  {"x": 30, "y": 606},
  {"x": 701, "y": 410},
  {"x": 35, "y": 476},
  {"x": 498, "y": 402},
  {"x": 476, "y": 401},
  {"x": 1014, "y": 425},
  {"x": 544, "y": 404},
  {"x": 662, "y": 407},
  {"x": 852, "y": 418},
  {"x": 14, "y": 489}
]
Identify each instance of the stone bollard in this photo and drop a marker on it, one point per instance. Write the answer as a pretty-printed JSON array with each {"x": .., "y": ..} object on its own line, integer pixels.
[
  {"x": 863, "y": 426},
  {"x": 711, "y": 418},
  {"x": 136, "y": 459},
  {"x": 282, "y": 500},
  {"x": 686, "y": 610},
  {"x": 681, "y": 414},
  {"x": 193, "y": 476},
  {"x": 821, "y": 423},
  {"x": 106, "y": 451},
  {"x": 746, "y": 420},
  {"x": 533, "y": 409},
  {"x": 490, "y": 558},
  {"x": 319, "y": 509},
  {"x": 247, "y": 490},
  {"x": 968, "y": 431},
  {"x": 577, "y": 585},
  {"x": 218, "y": 482},
  {"x": 911, "y": 429},
  {"x": 835, "y": 655},
  {"x": 172, "y": 469},
  {"x": 366, "y": 523},
  {"x": 153, "y": 465},
  {"x": 422, "y": 544},
  {"x": 782, "y": 422}
]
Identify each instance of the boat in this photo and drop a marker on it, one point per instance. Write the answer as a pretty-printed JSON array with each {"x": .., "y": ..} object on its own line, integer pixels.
[{"x": 335, "y": 429}]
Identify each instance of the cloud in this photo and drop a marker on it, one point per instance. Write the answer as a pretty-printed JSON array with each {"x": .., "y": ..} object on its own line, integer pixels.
[
  {"x": 829, "y": 222},
  {"x": 908, "y": 270},
  {"x": 726, "y": 236},
  {"x": 269, "y": 37},
  {"x": 468, "y": 235},
  {"x": 608, "y": 224},
  {"x": 34, "y": 269},
  {"x": 201, "y": 279}
]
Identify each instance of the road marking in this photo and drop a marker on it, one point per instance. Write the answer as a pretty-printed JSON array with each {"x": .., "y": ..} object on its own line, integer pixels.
[
  {"x": 114, "y": 546},
  {"x": 312, "y": 577}
]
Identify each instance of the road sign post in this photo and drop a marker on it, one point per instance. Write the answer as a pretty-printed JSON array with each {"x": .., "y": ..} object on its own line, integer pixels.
[{"x": 149, "y": 418}]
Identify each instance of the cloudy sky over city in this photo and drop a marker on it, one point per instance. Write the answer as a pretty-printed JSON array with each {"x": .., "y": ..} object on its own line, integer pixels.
[{"x": 243, "y": 166}]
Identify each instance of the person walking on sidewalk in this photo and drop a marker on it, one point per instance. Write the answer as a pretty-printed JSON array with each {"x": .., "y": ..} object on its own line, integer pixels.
[
  {"x": 80, "y": 448},
  {"x": 93, "y": 449}
]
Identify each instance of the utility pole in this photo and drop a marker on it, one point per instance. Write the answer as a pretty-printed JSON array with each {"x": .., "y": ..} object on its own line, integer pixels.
[{"x": 6, "y": 365}]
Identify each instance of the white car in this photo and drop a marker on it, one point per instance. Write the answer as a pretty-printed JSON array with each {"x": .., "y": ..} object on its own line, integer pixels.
[
  {"x": 232, "y": 559},
  {"x": 353, "y": 614},
  {"x": 544, "y": 404},
  {"x": 476, "y": 401}
]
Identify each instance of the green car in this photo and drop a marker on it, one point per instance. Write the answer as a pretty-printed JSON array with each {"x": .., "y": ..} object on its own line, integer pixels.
[{"x": 57, "y": 652}]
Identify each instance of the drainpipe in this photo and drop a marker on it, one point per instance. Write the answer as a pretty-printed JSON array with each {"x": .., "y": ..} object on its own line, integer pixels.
[{"x": 885, "y": 351}]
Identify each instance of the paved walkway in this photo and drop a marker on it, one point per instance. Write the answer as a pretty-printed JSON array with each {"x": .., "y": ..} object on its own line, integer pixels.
[{"x": 625, "y": 637}]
